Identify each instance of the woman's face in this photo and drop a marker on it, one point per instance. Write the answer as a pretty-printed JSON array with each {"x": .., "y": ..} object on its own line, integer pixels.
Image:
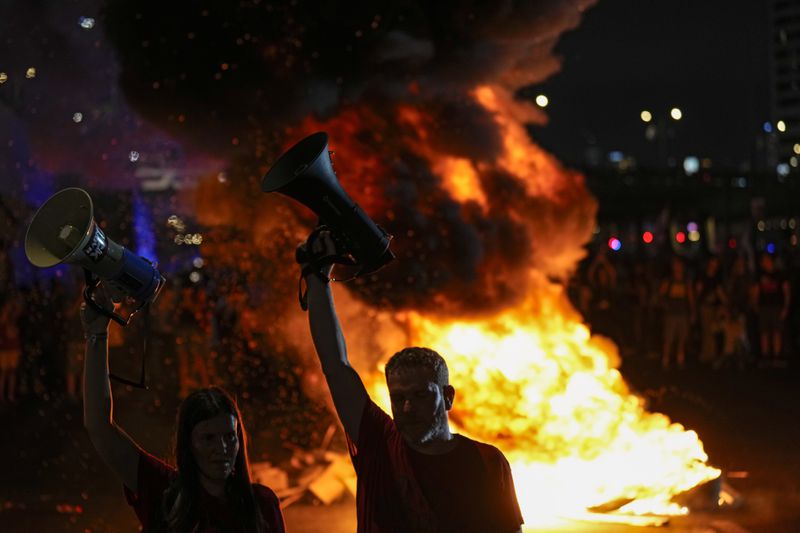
[{"x": 215, "y": 444}]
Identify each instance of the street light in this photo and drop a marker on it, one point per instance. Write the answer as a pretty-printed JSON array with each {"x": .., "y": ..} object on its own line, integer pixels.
[
  {"x": 542, "y": 101},
  {"x": 659, "y": 129}
]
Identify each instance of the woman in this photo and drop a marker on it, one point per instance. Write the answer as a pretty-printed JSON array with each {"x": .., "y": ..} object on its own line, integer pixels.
[{"x": 210, "y": 490}]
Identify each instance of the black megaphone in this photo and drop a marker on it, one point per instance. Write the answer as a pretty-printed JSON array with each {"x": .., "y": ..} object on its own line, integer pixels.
[{"x": 305, "y": 173}]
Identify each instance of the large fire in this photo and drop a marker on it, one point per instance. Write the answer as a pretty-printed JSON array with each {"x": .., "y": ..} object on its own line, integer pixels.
[
  {"x": 529, "y": 376},
  {"x": 534, "y": 382}
]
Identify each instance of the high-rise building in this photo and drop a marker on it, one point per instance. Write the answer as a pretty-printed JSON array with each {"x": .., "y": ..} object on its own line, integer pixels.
[{"x": 785, "y": 83}]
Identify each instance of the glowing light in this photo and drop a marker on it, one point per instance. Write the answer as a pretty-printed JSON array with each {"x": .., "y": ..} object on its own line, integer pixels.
[
  {"x": 222, "y": 177},
  {"x": 692, "y": 226},
  {"x": 691, "y": 165},
  {"x": 646, "y": 116},
  {"x": 694, "y": 236},
  {"x": 782, "y": 169},
  {"x": 30, "y": 73},
  {"x": 680, "y": 237},
  {"x": 675, "y": 113},
  {"x": 616, "y": 156},
  {"x": 761, "y": 225},
  {"x": 87, "y": 23},
  {"x": 647, "y": 237},
  {"x": 542, "y": 100},
  {"x": 793, "y": 240},
  {"x": 781, "y": 126},
  {"x": 3, "y": 77},
  {"x": 796, "y": 148},
  {"x": 792, "y": 223},
  {"x": 767, "y": 127},
  {"x": 198, "y": 262},
  {"x": 77, "y": 117},
  {"x": 615, "y": 244},
  {"x": 194, "y": 277},
  {"x": 771, "y": 248},
  {"x": 793, "y": 161},
  {"x": 133, "y": 156},
  {"x": 732, "y": 244}
]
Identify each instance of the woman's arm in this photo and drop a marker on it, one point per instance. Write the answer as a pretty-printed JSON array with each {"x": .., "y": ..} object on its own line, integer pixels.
[{"x": 116, "y": 448}]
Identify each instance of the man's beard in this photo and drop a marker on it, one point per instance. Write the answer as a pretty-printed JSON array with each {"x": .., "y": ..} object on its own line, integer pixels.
[{"x": 436, "y": 428}]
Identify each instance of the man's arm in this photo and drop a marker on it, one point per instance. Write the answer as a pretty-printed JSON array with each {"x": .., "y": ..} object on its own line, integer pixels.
[
  {"x": 116, "y": 448},
  {"x": 347, "y": 390}
]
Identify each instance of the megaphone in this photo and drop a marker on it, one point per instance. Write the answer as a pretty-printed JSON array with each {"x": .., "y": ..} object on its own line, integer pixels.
[
  {"x": 305, "y": 173},
  {"x": 63, "y": 230}
]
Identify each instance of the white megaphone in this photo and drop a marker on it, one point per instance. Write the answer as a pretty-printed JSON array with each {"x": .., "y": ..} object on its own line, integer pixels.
[{"x": 63, "y": 230}]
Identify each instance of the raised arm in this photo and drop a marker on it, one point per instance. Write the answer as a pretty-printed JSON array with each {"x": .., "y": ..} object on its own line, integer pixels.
[
  {"x": 347, "y": 390},
  {"x": 116, "y": 448}
]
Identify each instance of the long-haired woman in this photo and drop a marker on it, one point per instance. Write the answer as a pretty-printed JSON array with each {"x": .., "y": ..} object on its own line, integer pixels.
[{"x": 210, "y": 490}]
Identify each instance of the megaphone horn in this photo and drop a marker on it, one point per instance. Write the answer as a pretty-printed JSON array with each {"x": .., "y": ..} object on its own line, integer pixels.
[
  {"x": 63, "y": 230},
  {"x": 305, "y": 173}
]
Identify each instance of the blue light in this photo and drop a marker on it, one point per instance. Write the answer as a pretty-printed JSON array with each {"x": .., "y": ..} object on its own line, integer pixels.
[
  {"x": 615, "y": 244},
  {"x": 144, "y": 235},
  {"x": 771, "y": 248},
  {"x": 616, "y": 156},
  {"x": 767, "y": 127}
]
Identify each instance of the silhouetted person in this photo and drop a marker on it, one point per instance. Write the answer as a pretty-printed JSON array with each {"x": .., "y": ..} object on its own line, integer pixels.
[
  {"x": 677, "y": 299},
  {"x": 772, "y": 297},
  {"x": 710, "y": 301},
  {"x": 210, "y": 490},
  {"x": 414, "y": 475}
]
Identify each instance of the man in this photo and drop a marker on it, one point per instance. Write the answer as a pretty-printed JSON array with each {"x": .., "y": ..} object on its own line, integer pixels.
[{"x": 414, "y": 475}]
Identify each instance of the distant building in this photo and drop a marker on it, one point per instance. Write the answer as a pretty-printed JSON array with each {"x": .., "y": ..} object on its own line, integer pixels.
[{"x": 785, "y": 85}]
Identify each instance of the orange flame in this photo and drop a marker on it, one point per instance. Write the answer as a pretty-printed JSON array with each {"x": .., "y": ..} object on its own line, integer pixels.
[{"x": 535, "y": 383}]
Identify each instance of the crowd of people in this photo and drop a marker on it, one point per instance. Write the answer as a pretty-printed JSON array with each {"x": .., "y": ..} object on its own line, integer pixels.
[
  {"x": 199, "y": 333},
  {"x": 718, "y": 311}
]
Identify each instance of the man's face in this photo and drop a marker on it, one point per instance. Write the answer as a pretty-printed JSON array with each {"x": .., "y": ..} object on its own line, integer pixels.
[
  {"x": 215, "y": 444},
  {"x": 419, "y": 404}
]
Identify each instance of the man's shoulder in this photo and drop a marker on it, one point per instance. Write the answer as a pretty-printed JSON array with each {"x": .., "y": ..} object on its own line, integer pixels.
[{"x": 491, "y": 455}]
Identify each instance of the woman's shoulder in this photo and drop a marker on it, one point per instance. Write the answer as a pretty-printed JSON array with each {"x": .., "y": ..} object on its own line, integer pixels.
[
  {"x": 265, "y": 496},
  {"x": 270, "y": 506}
]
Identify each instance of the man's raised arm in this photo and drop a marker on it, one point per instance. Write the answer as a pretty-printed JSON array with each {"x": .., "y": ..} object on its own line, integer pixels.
[{"x": 347, "y": 389}]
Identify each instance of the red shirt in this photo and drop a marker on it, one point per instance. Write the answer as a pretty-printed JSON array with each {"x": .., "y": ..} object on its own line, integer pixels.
[
  {"x": 469, "y": 489},
  {"x": 154, "y": 477}
]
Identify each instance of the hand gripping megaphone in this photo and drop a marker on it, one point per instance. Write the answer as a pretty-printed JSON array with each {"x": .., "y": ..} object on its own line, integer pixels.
[
  {"x": 305, "y": 173},
  {"x": 63, "y": 230}
]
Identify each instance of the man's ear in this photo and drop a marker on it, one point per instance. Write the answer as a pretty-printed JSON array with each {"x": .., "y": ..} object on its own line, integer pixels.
[{"x": 449, "y": 396}]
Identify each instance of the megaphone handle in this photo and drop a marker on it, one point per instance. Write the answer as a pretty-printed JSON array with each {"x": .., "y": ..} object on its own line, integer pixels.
[
  {"x": 142, "y": 383},
  {"x": 88, "y": 291}
]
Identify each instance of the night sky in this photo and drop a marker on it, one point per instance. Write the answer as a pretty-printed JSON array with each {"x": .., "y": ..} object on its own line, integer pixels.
[{"x": 708, "y": 58}]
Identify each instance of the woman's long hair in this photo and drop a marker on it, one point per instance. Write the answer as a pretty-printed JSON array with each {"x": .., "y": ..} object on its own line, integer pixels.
[{"x": 179, "y": 504}]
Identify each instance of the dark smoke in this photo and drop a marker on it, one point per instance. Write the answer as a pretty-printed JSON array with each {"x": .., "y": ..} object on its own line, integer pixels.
[{"x": 240, "y": 80}]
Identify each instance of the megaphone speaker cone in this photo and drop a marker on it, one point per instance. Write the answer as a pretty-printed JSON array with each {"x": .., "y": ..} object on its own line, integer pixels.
[
  {"x": 295, "y": 161},
  {"x": 59, "y": 227}
]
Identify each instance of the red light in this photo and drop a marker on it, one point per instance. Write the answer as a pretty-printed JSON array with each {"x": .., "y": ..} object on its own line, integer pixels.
[
  {"x": 614, "y": 243},
  {"x": 732, "y": 243},
  {"x": 647, "y": 237},
  {"x": 680, "y": 237}
]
